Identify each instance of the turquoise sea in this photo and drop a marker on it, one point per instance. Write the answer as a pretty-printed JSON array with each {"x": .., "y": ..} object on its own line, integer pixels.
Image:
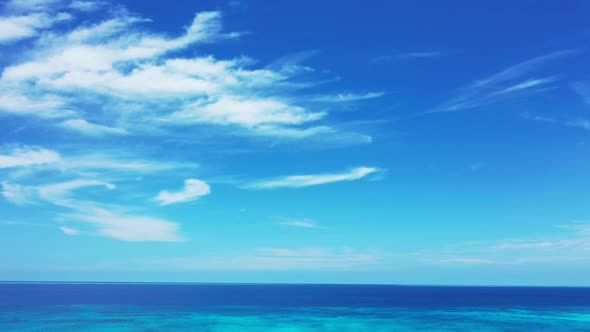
[{"x": 217, "y": 307}]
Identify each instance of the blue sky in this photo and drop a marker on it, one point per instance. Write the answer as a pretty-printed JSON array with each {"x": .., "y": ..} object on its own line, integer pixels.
[{"x": 249, "y": 141}]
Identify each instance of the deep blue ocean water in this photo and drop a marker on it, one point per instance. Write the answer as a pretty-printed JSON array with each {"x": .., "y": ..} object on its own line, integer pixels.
[{"x": 246, "y": 307}]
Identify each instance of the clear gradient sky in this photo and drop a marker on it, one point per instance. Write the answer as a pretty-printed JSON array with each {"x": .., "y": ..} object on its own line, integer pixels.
[{"x": 304, "y": 141}]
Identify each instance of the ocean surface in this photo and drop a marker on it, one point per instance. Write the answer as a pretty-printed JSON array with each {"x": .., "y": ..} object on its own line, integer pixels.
[{"x": 274, "y": 307}]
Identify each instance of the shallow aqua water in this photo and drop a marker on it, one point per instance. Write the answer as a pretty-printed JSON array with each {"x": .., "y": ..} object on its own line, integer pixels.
[
  {"x": 282, "y": 308},
  {"x": 125, "y": 318}
]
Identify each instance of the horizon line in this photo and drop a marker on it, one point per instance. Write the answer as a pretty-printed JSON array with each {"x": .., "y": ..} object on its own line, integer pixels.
[{"x": 15, "y": 282}]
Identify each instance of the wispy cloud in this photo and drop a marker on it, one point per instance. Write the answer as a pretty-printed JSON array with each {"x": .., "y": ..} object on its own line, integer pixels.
[
  {"x": 55, "y": 193},
  {"x": 31, "y": 5},
  {"x": 13, "y": 28},
  {"x": 582, "y": 88},
  {"x": 108, "y": 223},
  {"x": 46, "y": 159},
  {"x": 300, "y": 223},
  {"x": 465, "y": 260},
  {"x": 530, "y": 83},
  {"x": 584, "y": 124},
  {"x": 108, "y": 72},
  {"x": 17, "y": 194},
  {"x": 573, "y": 245},
  {"x": 413, "y": 55},
  {"x": 245, "y": 112},
  {"x": 86, "y": 128},
  {"x": 109, "y": 220},
  {"x": 275, "y": 259},
  {"x": 117, "y": 163},
  {"x": 576, "y": 123},
  {"x": 581, "y": 228},
  {"x": 127, "y": 227},
  {"x": 87, "y": 6},
  {"x": 507, "y": 83},
  {"x": 23, "y": 223},
  {"x": 193, "y": 190},
  {"x": 28, "y": 156},
  {"x": 348, "y": 97},
  {"x": 69, "y": 231},
  {"x": 529, "y": 245},
  {"x": 41, "y": 105},
  {"x": 117, "y": 62},
  {"x": 300, "y": 181},
  {"x": 538, "y": 118}
]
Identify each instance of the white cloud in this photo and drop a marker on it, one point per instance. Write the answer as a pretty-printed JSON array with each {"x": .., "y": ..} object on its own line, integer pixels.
[
  {"x": 70, "y": 61},
  {"x": 121, "y": 226},
  {"x": 245, "y": 112},
  {"x": 31, "y": 5},
  {"x": 44, "y": 106},
  {"x": 69, "y": 231},
  {"x": 17, "y": 194},
  {"x": 14, "y": 28},
  {"x": 28, "y": 156},
  {"x": 127, "y": 227},
  {"x": 299, "y": 181},
  {"x": 84, "y": 127},
  {"x": 193, "y": 190},
  {"x": 18, "y": 27},
  {"x": 99, "y": 32},
  {"x": 117, "y": 62}
]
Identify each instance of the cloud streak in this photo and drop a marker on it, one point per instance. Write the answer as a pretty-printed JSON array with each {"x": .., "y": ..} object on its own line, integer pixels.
[
  {"x": 69, "y": 231},
  {"x": 126, "y": 227},
  {"x": 28, "y": 156},
  {"x": 86, "y": 128},
  {"x": 301, "y": 181},
  {"x": 348, "y": 97},
  {"x": 192, "y": 191},
  {"x": 302, "y": 223},
  {"x": 508, "y": 83},
  {"x": 413, "y": 55},
  {"x": 569, "y": 247},
  {"x": 55, "y": 193},
  {"x": 39, "y": 158}
]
